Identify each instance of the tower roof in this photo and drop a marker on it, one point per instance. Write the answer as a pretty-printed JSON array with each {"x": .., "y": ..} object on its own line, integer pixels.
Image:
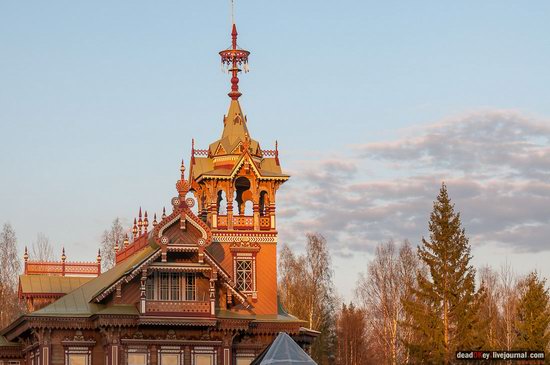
[
  {"x": 235, "y": 133},
  {"x": 224, "y": 155}
]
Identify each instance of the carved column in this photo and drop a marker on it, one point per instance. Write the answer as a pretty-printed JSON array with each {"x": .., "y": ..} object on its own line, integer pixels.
[
  {"x": 187, "y": 355},
  {"x": 142, "y": 290},
  {"x": 227, "y": 343},
  {"x": 111, "y": 341},
  {"x": 229, "y": 196},
  {"x": 214, "y": 214},
  {"x": 153, "y": 353},
  {"x": 44, "y": 345},
  {"x": 272, "y": 215},
  {"x": 212, "y": 291},
  {"x": 256, "y": 210}
]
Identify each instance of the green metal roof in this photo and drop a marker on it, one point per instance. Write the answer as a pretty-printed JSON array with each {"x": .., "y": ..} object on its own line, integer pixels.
[
  {"x": 78, "y": 302},
  {"x": 48, "y": 284}
]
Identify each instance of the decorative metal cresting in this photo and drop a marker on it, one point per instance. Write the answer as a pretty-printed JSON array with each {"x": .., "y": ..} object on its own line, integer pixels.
[{"x": 232, "y": 60}]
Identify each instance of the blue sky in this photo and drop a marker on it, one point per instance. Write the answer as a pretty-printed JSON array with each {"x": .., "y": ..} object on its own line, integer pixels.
[{"x": 99, "y": 102}]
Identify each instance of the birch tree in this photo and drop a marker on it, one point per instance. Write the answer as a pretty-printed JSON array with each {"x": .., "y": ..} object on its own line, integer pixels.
[
  {"x": 10, "y": 268},
  {"x": 381, "y": 291},
  {"x": 41, "y": 248},
  {"x": 109, "y": 240},
  {"x": 508, "y": 288},
  {"x": 306, "y": 291},
  {"x": 351, "y": 332},
  {"x": 490, "y": 313}
]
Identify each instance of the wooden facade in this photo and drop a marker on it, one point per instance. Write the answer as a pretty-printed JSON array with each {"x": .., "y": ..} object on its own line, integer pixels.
[{"x": 192, "y": 288}]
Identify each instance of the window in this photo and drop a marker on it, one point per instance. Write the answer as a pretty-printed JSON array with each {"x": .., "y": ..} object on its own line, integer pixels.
[
  {"x": 171, "y": 286},
  {"x": 77, "y": 359},
  {"x": 244, "y": 360},
  {"x": 244, "y": 275},
  {"x": 164, "y": 285},
  {"x": 137, "y": 359},
  {"x": 169, "y": 359},
  {"x": 78, "y": 355},
  {"x": 150, "y": 287},
  {"x": 190, "y": 288},
  {"x": 204, "y": 359},
  {"x": 175, "y": 286}
]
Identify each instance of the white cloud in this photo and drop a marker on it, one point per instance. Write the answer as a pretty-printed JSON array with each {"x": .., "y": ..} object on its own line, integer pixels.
[{"x": 496, "y": 165}]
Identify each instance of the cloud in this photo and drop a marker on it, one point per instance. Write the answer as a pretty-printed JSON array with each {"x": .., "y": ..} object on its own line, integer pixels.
[
  {"x": 496, "y": 142},
  {"x": 496, "y": 165}
]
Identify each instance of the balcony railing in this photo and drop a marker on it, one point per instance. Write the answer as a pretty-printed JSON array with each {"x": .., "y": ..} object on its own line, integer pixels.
[
  {"x": 222, "y": 221},
  {"x": 243, "y": 222},
  {"x": 265, "y": 223},
  {"x": 177, "y": 308}
]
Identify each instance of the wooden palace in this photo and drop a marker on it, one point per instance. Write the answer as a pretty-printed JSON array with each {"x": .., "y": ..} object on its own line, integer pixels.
[{"x": 198, "y": 286}]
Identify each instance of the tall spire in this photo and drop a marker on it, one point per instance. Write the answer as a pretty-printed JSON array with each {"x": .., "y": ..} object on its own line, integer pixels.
[{"x": 232, "y": 59}]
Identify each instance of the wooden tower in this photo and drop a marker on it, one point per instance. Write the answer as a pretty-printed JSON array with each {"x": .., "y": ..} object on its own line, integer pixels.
[{"x": 235, "y": 183}]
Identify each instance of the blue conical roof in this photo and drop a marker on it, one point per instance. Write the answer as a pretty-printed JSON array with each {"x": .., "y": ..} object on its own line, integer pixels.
[{"x": 284, "y": 351}]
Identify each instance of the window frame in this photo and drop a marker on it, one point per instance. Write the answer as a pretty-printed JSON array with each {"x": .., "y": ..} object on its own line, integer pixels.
[
  {"x": 244, "y": 274},
  {"x": 171, "y": 286},
  {"x": 171, "y": 350},
  {"x": 79, "y": 351},
  {"x": 245, "y": 256}
]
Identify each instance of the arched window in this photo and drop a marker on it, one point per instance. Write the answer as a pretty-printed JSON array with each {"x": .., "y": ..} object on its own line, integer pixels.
[
  {"x": 248, "y": 208},
  {"x": 264, "y": 203},
  {"x": 222, "y": 203},
  {"x": 242, "y": 189}
]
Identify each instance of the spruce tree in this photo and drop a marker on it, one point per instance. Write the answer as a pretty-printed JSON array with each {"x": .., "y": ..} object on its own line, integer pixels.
[
  {"x": 444, "y": 309},
  {"x": 533, "y": 316}
]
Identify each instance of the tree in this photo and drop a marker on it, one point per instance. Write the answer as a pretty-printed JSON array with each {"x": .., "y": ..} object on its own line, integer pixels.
[
  {"x": 306, "y": 290},
  {"x": 10, "y": 267},
  {"x": 508, "y": 302},
  {"x": 533, "y": 316},
  {"x": 352, "y": 339},
  {"x": 445, "y": 305},
  {"x": 381, "y": 292},
  {"x": 110, "y": 238},
  {"x": 491, "y": 328},
  {"x": 41, "y": 248}
]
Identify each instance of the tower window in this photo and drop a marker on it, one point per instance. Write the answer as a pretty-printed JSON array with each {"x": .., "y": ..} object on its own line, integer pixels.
[{"x": 244, "y": 274}]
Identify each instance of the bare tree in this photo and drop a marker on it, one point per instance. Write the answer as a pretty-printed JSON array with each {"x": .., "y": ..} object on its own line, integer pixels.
[
  {"x": 41, "y": 248},
  {"x": 489, "y": 309},
  {"x": 306, "y": 290},
  {"x": 109, "y": 239},
  {"x": 10, "y": 267},
  {"x": 352, "y": 340},
  {"x": 381, "y": 291},
  {"x": 508, "y": 302}
]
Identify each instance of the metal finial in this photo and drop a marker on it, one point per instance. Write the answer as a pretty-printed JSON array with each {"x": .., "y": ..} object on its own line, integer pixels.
[
  {"x": 63, "y": 257},
  {"x": 232, "y": 59},
  {"x": 134, "y": 228},
  {"x": 232, "y": 11}
]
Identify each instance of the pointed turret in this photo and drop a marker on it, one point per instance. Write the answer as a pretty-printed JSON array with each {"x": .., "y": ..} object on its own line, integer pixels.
[{"x": 234, "y": 122}]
